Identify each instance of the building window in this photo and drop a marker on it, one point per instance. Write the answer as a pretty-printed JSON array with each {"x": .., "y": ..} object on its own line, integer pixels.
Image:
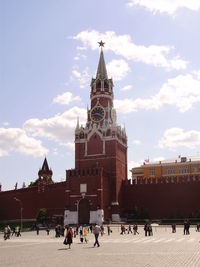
[
  {"x": 180, "y": 170},
  {"x": 170, "y": 170},
  {"x": 186, "y": 169},
  {"x": 194, "y": 169},
  {"x": 152, "y": 172}
]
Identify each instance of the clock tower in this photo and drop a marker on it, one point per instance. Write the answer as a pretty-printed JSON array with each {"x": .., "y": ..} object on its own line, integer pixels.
[{"x": 102, "y": 143}]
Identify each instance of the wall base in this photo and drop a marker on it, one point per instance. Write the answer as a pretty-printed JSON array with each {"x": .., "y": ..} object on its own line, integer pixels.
[
  {"x": 70, "y": 217},
  {"x": 116, "y": 218},
  {"x": 96, "y": 216}
]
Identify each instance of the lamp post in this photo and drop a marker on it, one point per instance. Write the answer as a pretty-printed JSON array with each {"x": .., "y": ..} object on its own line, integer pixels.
[{"x": 21, "y": 208}]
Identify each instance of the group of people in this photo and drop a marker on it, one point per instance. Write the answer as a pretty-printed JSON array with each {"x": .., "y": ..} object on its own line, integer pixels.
[
  {"x": 59, "y": 230},
  {"x": 70, "y": 233},
  {"x": 8, "y": 232},
  {"x": 129, "y": 229},
  {"x": 148, "y": 229}
]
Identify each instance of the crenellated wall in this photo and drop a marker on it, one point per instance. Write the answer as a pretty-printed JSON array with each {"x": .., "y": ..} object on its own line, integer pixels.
[
  {"x": 162, "y": 200},
  {"x": 52, "y": 198}
]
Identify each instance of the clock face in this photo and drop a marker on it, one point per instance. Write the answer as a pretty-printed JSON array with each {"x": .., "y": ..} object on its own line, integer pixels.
[{"x": 97, "y": 114}]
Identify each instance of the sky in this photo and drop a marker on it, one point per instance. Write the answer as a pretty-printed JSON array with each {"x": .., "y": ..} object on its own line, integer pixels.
[{"x": 48, "y": 54}]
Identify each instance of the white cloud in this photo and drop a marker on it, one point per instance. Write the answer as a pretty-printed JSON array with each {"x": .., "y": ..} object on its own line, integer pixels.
[
  {"x": 55, "y": 151},
  {"x": 6, "y": 123},
  {"x": 157, "y": 159},
  {"x": 176, "y": 137},
  {"x": 80, "y": 56},
  {"x": 59, "y": 128},
  {"x": 136, "y": 142},
  {"x": 66, "y": 98},
  {"x": 82, "y": 77},
  {"x": 126, "y": 88},
  {"x": 81, "y": 48},
  {"x": 122, "y": 45},
  {"x": 17, "y": 140},
  {"x": 168, "y": 6},
  {"x": 118, "y": 69},
  {"x": 183, "y": 92}
]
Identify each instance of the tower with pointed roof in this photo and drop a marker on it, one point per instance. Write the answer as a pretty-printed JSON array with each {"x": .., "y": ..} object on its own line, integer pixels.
[
  {"x": 102, "y": 144},
  {"x": 44, "y": 176}
]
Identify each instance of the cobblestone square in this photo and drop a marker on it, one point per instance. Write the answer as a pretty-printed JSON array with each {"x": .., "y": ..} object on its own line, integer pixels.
[{"x": 161, "y": 249}]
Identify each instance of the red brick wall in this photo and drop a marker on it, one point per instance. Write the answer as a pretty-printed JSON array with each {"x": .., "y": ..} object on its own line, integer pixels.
[
  {"x": 95, "y": 145},
  {"x": 93, "y": 179},
  {"x": 53, "y": 199},
  {"x": 163, "y": 200}
]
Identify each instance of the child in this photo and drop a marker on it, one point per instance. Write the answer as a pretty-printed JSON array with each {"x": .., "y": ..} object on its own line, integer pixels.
[{"x": 85, "y": 233}]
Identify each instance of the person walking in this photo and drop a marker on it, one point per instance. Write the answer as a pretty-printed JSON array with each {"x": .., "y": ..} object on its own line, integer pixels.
[
  {"x": 123, "y": 230},
  {"x": 109, "y": 230},
  {"x": 85, "y": 234},
  {"x": 14, "y": 231},
  {"x": 47, "y": 230},
  {"x": 37, "y": 229},
  {"x": 150, "y": 230},
  {"x": 185, "y": 227},
  {"x": 9, "y": 231},
  {"x": 135, "y": 229},
  {"x": 81, "y": 233},
  {"x": 18, "y": 231},
  {"x": 173, "y": 228},
  {"x": 5, "y": 233},
  {"x": 102, "y": 230},
  {"x": 188, "y": 227},
  {"x": 69, "y": 234},
  {"x": 96, "y": 232},
  {"x": 129, "y": 229},
  {"x": 146, "y": 227}
]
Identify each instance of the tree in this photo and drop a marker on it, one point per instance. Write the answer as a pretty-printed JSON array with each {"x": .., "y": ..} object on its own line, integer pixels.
[
  {"x": 35, "y": 183},
  {"x": 42, "y": 216}
]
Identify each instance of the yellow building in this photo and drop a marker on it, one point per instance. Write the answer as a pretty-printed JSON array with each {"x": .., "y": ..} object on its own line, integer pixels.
[{"x": 182, "y": 169}]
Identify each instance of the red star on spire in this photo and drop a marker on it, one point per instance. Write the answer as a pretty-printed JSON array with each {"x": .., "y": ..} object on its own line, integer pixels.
[{"x": 101, "y": 43}]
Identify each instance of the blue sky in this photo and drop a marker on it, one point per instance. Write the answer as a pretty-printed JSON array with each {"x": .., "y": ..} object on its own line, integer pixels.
[{"x": 48, "y": 55}]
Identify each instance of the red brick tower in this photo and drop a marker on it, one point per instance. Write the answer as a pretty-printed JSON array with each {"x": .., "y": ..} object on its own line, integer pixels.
[
  {"x": 44, "y": 176},
  {"x": 103, "y": 143}
]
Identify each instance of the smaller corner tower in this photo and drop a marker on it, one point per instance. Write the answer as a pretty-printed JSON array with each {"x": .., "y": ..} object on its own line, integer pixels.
[{"x": 44, "y": 176}]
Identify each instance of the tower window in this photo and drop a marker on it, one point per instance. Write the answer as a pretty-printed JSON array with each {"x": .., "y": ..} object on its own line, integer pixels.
[
  {"x": 81, "y": 135},
  {"x": 106, "y": 84},
  {"x": 98, "y": 84}
]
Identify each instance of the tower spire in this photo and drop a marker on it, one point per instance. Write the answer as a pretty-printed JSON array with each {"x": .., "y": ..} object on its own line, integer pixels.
[
  {"x": 101, "y": 71},
  {"x": 45, "y": 166}
]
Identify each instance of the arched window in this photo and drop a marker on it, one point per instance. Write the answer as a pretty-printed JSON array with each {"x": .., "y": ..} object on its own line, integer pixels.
[
  {"x": 81, "y": 135},
  {"x": 98, "y": 84},
  {"x": 106, "y": 84}
]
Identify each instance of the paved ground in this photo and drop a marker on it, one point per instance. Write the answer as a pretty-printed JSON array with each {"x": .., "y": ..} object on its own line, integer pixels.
[{"x": 161, "y": 249}]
